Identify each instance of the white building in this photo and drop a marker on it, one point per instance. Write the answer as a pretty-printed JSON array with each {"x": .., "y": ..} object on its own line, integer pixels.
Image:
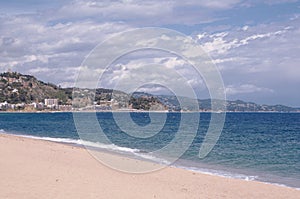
[{"x": 51, "y": 103}]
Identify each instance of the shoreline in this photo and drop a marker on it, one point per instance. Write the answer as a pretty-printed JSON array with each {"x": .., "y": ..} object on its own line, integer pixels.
[
  {"x": 202, "y": 170},
  {"x": 144, "y": 111},
  {"x": 45, "y": 153}
]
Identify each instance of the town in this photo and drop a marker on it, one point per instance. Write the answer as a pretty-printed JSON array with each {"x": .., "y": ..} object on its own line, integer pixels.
[
  {"x": 47, "y": 105},
  {"x": 25, "y": 93}
]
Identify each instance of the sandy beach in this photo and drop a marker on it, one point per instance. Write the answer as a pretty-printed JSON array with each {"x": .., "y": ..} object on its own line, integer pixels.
[{"x": 41, "y": 169}]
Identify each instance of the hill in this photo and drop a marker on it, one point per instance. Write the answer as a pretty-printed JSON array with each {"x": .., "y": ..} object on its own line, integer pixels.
[{"x": 18, "y": 88}]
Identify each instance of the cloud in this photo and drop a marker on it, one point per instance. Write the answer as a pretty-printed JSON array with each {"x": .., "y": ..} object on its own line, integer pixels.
[
  {"x": 149, "y": 13},
  {"x": 245, "y": 88},
  {"x": 218, "y": 44},
  {"x": 245, "y": 28},
  {"x": 154, "y": 89},
  {"x": 150, "y": 67},
  {"x": 272, "y": 2},
  {"x": 262, "y": 48},
  {"x": 52, "y": 43},
  {"x": 28, "y": 44},
  {"x": 221, "y": 43},
  {"x": 213, "y": 4},
  {"x": 39, "y": 70},
  {"x": 266, "y": 54}
]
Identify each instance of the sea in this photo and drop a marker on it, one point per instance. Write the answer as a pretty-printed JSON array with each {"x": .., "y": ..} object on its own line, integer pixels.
[{"x": 261, "y": 147}]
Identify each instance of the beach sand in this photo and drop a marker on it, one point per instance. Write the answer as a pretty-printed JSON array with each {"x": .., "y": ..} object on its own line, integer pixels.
[{"x": 40, "y": 169}]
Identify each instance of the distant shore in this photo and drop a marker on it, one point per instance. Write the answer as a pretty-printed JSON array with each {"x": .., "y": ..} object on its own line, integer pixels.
[
  {"x": 142, "y": 111},
  {"x": 41, "y": 169}
]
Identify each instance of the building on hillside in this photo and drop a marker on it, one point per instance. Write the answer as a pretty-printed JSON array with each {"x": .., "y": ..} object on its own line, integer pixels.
[
  {"x": 65, "y": 107},
  {"x": 38, "y": 106},
  {"x": 4, "y": 105},
  {"x": 51, "y": 103}
]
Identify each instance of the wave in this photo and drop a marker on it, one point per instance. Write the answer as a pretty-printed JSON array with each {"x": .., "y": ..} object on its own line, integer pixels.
[
  {"x": 110, "y": 147},
  {"x": 219, "y": 173},
  {"x": 234, "y": 175},
  {"x": 148, "y": 156},
  {"x": 97, "y": 145}
]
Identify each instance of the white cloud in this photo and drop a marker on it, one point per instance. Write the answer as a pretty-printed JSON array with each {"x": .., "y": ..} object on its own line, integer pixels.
[
  {"x": 154, "y": 89},
  {"x": 245, "y": 88},
  {"x": 54, "y": 43},
  {"x": 66, "y": 84},
  {"x": 245, "y": 28},
  {"x": 39, "y": 70},
  {"x": 272, "y": 2},
  {"x": 222, "y": 43},
  {"x": 229, "y": 59},
  {"x": 173, "y": 62},
  {"x": 265, "y": 54},
  {"x": 214, "y": 4},
  {"x": 201, "y": 36},
  {"x": 148, "y": 12},
  {"x": 34, "y": 46},
  {"x": 219, "y": 45}
]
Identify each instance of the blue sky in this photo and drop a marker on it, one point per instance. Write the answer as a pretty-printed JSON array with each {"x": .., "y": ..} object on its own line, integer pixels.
[{"x": 255, "y": 44}]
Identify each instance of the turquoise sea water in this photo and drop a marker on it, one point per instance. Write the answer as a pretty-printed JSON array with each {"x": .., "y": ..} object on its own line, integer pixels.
[{"x": 252, "y": 146}]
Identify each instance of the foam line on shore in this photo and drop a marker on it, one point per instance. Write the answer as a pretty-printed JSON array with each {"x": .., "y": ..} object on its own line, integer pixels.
[{"x": 146, "y": 156}]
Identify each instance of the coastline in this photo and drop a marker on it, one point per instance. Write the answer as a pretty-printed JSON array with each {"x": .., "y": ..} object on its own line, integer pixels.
[
  {"x": 143, "y": 111},
  {"x": 36, "y": 168}
]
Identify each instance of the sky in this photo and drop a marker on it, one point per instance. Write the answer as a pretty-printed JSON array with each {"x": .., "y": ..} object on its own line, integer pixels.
[{"x": 254, "y": 44}]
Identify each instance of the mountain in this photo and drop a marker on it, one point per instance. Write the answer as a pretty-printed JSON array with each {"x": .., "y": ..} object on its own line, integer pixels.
[
  {"x": 18, "y": 88},
  {"x": 231, "y": 106}
]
